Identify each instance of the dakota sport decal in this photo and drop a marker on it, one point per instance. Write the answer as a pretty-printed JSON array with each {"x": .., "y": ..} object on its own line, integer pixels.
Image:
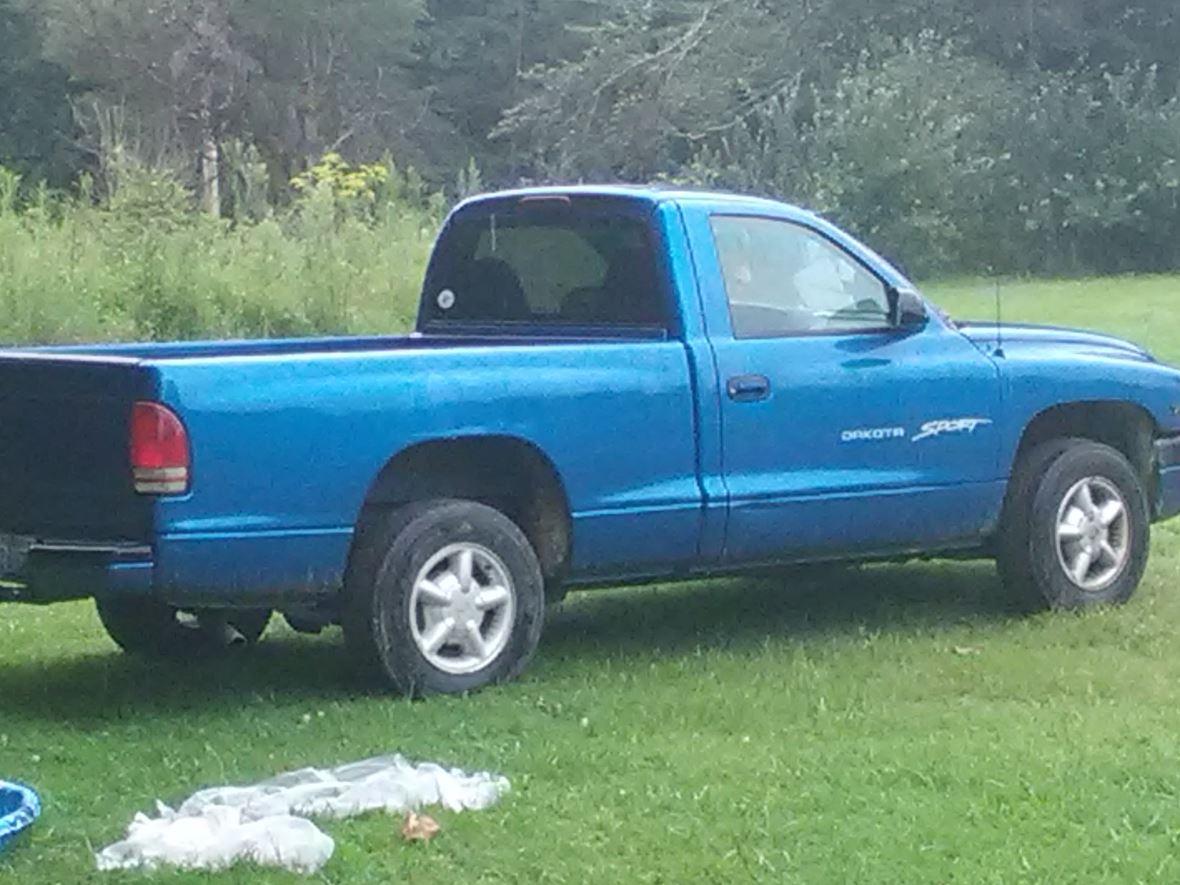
[{"x": 927, "y": 430}]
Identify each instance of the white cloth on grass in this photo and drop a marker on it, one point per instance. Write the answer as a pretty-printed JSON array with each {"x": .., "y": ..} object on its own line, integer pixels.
[
  {"x": 266, "y": 823},
  {"x": 216, "y": 839}
]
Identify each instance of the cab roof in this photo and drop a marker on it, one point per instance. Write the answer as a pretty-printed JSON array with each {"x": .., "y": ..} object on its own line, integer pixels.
[{"x": 652, "y": 195}]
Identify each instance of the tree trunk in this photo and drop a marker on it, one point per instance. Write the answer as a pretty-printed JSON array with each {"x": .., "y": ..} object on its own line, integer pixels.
[
  {"x": 1032, "y": 38},
  {"x": 210, "y": 193},
  {"x": 311, "y": 137},
  {"x": 210, "y": 176}
]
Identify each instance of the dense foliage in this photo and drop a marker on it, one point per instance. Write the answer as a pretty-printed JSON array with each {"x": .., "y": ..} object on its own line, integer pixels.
[
  {"x": 956, "y": 135},
  {"x": 344, "y": 256}
]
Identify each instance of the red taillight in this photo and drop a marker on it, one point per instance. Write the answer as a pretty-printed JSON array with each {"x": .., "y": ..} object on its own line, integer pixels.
[{"x": 159, "y": 450}]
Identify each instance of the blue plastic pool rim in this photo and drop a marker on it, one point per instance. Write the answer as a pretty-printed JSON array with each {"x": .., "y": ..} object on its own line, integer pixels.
[{"x": 22, "y": 817}]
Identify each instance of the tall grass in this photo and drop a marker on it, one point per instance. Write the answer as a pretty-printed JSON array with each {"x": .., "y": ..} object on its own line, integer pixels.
[{"x": 141, "y": 265}]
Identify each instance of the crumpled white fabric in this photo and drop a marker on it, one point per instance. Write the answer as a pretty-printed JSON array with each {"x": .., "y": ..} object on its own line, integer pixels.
[
  {"x": 267, "y": 823},
  {"x": 216, "y": 839}
]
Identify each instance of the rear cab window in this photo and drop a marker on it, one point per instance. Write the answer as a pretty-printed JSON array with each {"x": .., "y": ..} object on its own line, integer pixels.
[{"x": 550, "y": 264}]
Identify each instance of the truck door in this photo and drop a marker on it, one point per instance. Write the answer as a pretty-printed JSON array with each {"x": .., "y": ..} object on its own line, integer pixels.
[{"x": 841, "y": 431}]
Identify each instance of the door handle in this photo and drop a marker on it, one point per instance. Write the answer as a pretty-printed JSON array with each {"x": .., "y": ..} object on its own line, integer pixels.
[{"x": 748, "y": 388}]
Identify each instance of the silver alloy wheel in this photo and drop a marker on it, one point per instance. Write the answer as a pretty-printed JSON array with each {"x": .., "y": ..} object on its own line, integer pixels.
[
  {"x": 462, "y": 608},
  {"x": 1093, "y": 534}
]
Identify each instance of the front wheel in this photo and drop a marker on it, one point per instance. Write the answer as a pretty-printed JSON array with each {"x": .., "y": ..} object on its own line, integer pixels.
[
  {"x": 1075, "y": 530},
  {"x": 443, "y": 597}
]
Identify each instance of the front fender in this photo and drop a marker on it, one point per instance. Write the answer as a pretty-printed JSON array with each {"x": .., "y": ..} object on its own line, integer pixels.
[{"x": 1034, "y": 384}]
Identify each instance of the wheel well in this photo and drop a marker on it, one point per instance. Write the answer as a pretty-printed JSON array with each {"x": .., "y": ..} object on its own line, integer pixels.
[
  {"x": 503, "y": 472},
  {"x": 1123, "y": 426}
]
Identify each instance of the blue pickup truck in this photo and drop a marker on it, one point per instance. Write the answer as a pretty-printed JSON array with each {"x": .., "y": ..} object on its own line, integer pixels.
[{"x": 606, "y": 385}]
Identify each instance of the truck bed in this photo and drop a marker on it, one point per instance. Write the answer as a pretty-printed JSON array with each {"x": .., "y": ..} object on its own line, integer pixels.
[{"x": 289, "y": 436}]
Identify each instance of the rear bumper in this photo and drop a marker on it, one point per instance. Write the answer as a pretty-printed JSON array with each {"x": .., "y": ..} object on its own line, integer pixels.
[
  {"x": 252, "y": 569},
  {"x": 61, "y": 571},
  {"x": 1167, "y": 460}
]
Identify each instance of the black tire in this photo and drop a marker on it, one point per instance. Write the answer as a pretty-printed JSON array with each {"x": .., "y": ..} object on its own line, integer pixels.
[
  {"x": 148, "y": 628},
  {"x": 388, "y": 555},
  {"x": 1030, "y": 566}
]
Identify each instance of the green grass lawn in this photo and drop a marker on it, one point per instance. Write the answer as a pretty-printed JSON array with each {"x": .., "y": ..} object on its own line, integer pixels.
[
  {"x": 884, "y": 724},
  {"x": 1145, "y": 309}
]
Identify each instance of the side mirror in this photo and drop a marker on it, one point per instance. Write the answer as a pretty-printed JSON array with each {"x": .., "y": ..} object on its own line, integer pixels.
[{"x": 908, "y": 309}]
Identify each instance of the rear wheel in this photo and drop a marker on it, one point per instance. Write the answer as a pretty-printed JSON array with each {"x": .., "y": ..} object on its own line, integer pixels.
[
  {"x": 1075, "y": 531},
  {"x": 443, "y": 597},
  {"x": 152, "y": 629}
]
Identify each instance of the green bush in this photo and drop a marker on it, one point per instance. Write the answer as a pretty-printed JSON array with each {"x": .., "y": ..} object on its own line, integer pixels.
[
  {"x": 1084, "y": 178},
  {"x": 142, "y": 265},
  {"x": 952, "y": 165}
]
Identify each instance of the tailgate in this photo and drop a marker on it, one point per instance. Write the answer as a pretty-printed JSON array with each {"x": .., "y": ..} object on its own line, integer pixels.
[{"x": 65, "y": 471}]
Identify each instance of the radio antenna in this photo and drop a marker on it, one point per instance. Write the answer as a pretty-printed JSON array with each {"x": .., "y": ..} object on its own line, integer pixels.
[{"x": 999, "y": 320}]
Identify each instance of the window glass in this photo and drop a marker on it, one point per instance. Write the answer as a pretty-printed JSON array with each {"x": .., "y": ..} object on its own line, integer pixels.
[
  {"x": 783, "y": 279},
  {"x": 546, "y": 267}
]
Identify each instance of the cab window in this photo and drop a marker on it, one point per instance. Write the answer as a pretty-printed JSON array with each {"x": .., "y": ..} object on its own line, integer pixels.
[
  {"x": 548, "y": 268},
  {"x": 784, "y": 279}
]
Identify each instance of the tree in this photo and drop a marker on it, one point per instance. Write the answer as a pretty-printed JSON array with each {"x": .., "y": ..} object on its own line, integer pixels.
[
  {"x": 36, "y": 123},
  {"x": 331, "y": 75},
  {"x": 175, "y": 63},
  {"x": 299, "y": 77},
  {"x": 661, "y": 78},
  {"x": 471, "y": 57},
  {"x": 1064, "y": 35}
]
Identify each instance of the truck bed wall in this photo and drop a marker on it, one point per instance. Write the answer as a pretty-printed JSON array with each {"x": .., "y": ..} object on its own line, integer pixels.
[{"x": 285, "y": 451}]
